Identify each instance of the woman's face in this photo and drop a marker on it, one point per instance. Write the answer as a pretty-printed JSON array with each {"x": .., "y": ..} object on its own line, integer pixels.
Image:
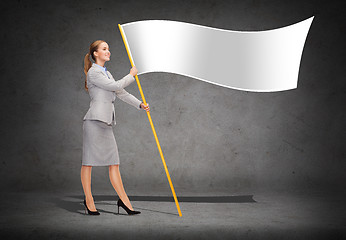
[{"x": 103, "y": 54}]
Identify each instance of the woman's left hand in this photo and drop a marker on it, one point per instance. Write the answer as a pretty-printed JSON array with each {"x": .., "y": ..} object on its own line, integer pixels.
[{"x": 145, "y": 107}]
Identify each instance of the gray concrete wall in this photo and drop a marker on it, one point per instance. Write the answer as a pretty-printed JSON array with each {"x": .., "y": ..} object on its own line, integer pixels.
[{"x": 213, "y": 138}]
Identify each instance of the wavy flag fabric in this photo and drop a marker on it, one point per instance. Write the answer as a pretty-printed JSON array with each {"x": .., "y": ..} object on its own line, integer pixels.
[{"x": 259, "y": 61}]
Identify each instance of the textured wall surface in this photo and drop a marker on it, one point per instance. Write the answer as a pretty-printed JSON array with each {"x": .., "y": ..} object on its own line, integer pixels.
[{"x": 212, "y": 137}]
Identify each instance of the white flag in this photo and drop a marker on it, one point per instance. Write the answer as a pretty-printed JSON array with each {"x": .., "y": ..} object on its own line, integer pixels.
[{"x": 260, "y": 61}]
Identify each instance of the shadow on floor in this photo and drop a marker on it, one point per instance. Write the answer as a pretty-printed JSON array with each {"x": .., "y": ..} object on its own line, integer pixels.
[
  {"x": 74, "y": 203},
  {"x": 196, "y": 199}
]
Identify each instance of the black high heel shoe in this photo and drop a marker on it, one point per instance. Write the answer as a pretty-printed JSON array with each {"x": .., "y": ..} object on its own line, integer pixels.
[
  {"x": 90, "y": 212},
  {"x": 129, "y": 211}
]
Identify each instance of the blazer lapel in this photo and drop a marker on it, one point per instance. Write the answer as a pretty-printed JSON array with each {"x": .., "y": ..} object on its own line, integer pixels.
[{"x": 99, "y": 69}]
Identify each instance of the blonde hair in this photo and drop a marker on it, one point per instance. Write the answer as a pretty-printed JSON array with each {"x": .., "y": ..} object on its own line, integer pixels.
[{"x": 87, "y": 63}]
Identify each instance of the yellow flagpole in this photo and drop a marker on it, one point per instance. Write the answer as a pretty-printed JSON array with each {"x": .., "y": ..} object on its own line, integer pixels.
[{"x": 152, "y": 125}]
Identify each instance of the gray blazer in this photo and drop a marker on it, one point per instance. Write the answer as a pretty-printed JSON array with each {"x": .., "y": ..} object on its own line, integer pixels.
[{"x": 103, "y": 92}]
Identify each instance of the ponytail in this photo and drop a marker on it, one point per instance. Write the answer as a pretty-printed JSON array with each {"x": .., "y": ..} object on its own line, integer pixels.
[
  {"x": 87, "y": 66},
  {"x": 87, "y": 63}
]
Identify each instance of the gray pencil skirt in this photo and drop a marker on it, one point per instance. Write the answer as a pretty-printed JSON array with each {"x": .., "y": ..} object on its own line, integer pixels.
[{"x": 99, "y": 145}]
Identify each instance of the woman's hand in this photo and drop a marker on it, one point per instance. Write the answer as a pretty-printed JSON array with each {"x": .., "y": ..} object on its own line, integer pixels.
[
  {"x": 145, "y": 107},
  {"x": 133, "y": 71}
]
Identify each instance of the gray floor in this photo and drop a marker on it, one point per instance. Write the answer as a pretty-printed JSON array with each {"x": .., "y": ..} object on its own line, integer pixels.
[{"x": 316, "y": 215}]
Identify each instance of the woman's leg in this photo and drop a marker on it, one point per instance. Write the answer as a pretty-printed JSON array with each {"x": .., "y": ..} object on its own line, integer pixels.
[
  {"x": 86, "y": 182},
  {"x": 114, "y": 176}
]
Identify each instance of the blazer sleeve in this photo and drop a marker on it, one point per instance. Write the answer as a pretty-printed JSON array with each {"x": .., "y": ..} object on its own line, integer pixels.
[
  {"x": 100, "y": 80},
  {"x": 128, "y": 98}
]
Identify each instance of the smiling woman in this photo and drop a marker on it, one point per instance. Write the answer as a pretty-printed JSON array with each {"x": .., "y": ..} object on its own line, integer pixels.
[
  {"x": 103, "y": 54},
  {"x": 99, "y": 145}
]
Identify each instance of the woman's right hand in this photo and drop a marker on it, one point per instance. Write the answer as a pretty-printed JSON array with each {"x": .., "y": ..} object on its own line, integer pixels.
[
  {"x": 133, "y": 71},
  {"x": 145, "y": 107}
]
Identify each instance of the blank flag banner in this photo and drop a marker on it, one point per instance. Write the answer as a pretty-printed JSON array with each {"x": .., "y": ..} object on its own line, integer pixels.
[{"x": 259, "y": 61}]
